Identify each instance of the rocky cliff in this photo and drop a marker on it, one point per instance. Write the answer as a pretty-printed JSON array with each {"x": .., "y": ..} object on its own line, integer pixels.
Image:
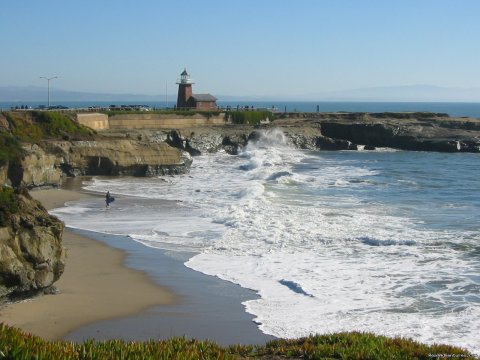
[
  {"x": 32, "y": 257},
  {"x": 47, "y": 163},
  {"x": 118, "y": 157}
]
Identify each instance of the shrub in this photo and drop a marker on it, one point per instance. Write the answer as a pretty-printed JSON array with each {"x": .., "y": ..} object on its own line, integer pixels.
[
  {"x": 22, "y": 128},
  {"x": 250, "y": 117},
  {"x": 10, "y": 148},
  {"x": 8, "y": 204},
  {"x": 57, "y": 125}
]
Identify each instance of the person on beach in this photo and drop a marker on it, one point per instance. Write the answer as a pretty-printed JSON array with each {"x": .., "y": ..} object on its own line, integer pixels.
[{"x": 107, "y": 199}]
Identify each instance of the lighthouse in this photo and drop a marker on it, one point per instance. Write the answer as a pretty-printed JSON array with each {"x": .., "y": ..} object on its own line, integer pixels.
[
  {"x": 187, "y": 100},
  {"x": 184, "y": 90}
]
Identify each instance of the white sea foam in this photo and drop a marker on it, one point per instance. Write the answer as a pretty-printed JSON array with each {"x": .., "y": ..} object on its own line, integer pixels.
[{"x": 316, "y": 236}]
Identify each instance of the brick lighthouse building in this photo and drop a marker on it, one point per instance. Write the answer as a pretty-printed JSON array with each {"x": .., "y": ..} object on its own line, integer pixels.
[{"x": 187, "y": 100}]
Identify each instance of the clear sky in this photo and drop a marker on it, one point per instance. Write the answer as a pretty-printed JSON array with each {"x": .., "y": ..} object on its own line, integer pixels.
[{"x": 283, "y": 48}]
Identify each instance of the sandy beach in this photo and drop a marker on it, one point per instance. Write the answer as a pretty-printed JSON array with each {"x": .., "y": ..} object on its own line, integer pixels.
[{"x": 96, "y": 285}]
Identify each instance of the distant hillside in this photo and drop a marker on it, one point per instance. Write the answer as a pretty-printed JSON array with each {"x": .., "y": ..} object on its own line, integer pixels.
[
  {"x": 424, "y": 93},
  {"x": 35, "y": 93}
]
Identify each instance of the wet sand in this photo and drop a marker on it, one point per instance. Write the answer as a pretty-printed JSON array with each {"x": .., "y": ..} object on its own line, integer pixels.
[{"x": 208, "y": 307}]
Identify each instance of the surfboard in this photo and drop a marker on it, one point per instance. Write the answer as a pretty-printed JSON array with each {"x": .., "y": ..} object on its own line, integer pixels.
[{"x": 111, "y": 199}]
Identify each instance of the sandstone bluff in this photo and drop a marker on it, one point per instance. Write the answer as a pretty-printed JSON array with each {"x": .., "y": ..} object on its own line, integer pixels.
[
  {"x": 42, "y": 148},
  {"x": 32, "y": 257}
]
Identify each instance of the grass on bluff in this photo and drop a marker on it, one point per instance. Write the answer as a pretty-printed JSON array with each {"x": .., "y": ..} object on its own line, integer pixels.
[
  {"x": 34, "y": 126},
  {"x": 15, "y": 344}
]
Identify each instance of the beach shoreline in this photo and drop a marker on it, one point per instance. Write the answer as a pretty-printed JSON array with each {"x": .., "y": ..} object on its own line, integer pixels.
[{"x": 114, "y": 287}]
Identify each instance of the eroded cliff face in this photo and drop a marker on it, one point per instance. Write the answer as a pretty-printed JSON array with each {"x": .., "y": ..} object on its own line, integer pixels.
[
  {"x": 32, "y": 256},
  {"x": 48, "y": 163},
  {"x": 118, "y": 157},
  {"x": 39, "y": 168}
]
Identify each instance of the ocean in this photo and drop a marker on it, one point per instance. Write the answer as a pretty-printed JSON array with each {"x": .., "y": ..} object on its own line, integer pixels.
[
  {"x": 451, "y": 108},
  {"x": 382, "y": 241}
]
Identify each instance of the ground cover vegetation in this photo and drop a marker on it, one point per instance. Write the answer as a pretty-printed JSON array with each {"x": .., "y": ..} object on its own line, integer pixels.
[
  {"x": 34, "y": 126},
  {"x": 250, "y": 117},
  {"x": 15, "y": 344}
]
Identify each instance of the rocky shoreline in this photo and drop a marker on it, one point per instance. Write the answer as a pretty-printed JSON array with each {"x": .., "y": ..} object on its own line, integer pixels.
[{"x": 336, "y": 131}]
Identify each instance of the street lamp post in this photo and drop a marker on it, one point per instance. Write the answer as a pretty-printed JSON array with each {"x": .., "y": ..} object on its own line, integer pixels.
[{"x": 48, "y": 86}]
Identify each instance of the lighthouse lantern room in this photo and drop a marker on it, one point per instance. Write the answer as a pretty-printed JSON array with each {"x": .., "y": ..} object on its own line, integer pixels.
[{"x": 184, "y": 89}]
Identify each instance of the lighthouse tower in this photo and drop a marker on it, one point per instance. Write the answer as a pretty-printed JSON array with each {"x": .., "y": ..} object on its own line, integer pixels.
[{"x": 184, "y": 90}]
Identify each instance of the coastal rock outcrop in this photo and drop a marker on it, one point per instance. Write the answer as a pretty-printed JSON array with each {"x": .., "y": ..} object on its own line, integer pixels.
[
  {"x": 419, "y": 137},
  {"x": 418, "y": 131},
  {"x": 32, "y": 256},
  {"x": 333, "y": 131},
  {"x": 38, "y": 168},
  {"x": 197, "y": 141}
]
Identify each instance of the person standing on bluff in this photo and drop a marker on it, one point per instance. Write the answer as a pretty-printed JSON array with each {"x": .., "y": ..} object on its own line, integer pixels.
[{"x": 107, "y": 199}]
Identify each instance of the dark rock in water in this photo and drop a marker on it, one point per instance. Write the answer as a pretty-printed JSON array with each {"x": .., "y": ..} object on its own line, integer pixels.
[
  {"x": 369, "y": 147},
  {"x": 231, "y": 149},
  {"x": 325, "y": 143},
  {"x": 295, "y": 287},
  {"x": 191, "y": 150},
  {"x": 233, "y": 143},
  {"x": 278, "y": 175},
  {"x": 32, "y": 254},
  {"x": 377, "y": 242},
  {"x": 175, "y": 140},
  {"x": 254, "y": 136}
]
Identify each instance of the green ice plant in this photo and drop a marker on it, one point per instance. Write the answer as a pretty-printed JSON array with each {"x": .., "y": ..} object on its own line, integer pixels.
[
  {"x": 250, "y": 117},
  {"x": 15, "y": 344}
]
